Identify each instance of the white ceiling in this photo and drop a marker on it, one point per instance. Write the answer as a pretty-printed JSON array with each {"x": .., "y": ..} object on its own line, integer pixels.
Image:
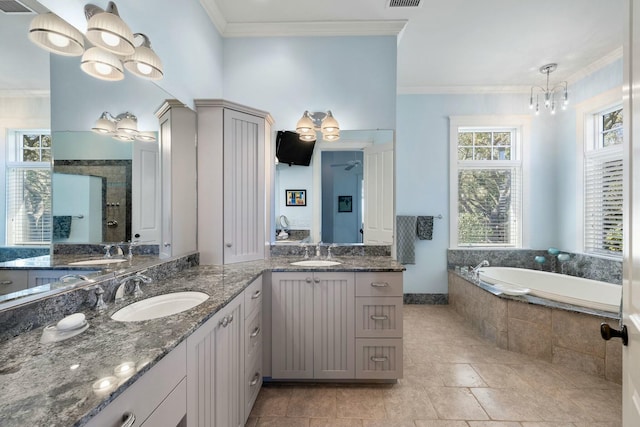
[{"x": 451, "y": 45}]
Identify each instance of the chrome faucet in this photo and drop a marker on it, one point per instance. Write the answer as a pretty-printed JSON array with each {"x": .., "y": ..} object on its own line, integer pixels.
[
  {"x": 136, "y": 279},
  {"x": 318, "y": 249},
  {"x": 68, "y": 277},
  {"x": 475, "y": 271},
  {"x": 100, "y": 304},
  {"x": 329, "y": 249}
]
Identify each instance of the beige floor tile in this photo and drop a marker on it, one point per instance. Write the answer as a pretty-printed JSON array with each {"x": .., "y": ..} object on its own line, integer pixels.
[
  {"x": 458, "y": 375},
  {"x": 494, "y": 424},
  {"x": 542, "y": 376},
  {"x": 601, "y": 405},
  {"x": 359, "y": 402},
  {"x": 599, "y": 424},
  {"x": 283, "y": 422},
  {"x": 316, "y": 402},
  {"x": 408, "y": 403},
  {"x": 499, "y": 376},
  {"x": 440, "y": 423},
  {"x": 547, "y": 424},
  {"x": 251, "y": 422},
  {"x": 271, "y": 402},
  {"x": 557, "y": 406},
  {"x": 581, "y": 380},
  {"x": 455, "y": 403},
  {"x": 507, "y": 404},
  {"x": 335, "y": 422},
  {"x": 387, "y": 423}
]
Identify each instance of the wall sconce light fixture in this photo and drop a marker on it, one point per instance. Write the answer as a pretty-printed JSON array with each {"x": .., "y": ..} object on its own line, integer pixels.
[
  {"x": 309, "y": 123},
  {"x": 114, "y": 44},
  {"x": 123, "y": 127},
  {"x": 549, "y": 92}
]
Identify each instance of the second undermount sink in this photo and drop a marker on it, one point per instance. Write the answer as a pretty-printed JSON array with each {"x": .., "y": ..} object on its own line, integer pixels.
[
  {"x": 316, "y": 263},
  {"x": 98, "y": 261},
  {"x": 160, "y": 306}
]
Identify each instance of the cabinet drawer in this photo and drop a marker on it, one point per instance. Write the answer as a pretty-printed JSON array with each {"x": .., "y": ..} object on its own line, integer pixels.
[
  {"x": 149, "y": 391},
  {"x": 253, "y": 335},
  {"x": 253, "y": 297},
  {"x": 253, "y": 383},
  {"x": 385, "y": 284},
  {"x": 379, "y": 317},
  {"x": 378, "y": 358},
  {"x": 171, "y": 410}
]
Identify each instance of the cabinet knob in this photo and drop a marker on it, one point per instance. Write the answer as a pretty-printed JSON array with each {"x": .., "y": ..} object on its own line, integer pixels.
[
  {"x": 167, "y": 244},
  {"x": 229, "y": 244},
  {"x": 256, "y": 294},
  {"x": 128, "y": 418},
  {"x": 230, "y": 318},
  {"x": 308, "y": 280},
  {"x": 224, "y": 322},
  {"x": 255, "y": 332},
  {"x": 255, "y": 379},
  {"x": 316, "y": 280}
]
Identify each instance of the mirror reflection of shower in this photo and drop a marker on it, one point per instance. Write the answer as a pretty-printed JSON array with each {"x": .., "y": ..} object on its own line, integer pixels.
[{"x": 342, "y": 207}]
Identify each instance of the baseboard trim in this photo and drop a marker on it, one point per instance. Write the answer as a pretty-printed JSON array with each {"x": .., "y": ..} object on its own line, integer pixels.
[{"x": 427, "y": 299}]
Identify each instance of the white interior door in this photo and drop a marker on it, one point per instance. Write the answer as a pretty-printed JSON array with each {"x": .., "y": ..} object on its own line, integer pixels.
[
  {"x": 379, "y": 194},
  {"x": 145, "y": 193},
  {"x": 631, "y": 263}
]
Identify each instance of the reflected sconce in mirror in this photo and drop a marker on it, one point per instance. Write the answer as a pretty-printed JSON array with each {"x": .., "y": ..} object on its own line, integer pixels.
[
  {"x": 123, "y": 127},
  {"x": 309, "y": 123},
  {"x": 549, "y": 93},
  {"x": 115, "y": 47}
]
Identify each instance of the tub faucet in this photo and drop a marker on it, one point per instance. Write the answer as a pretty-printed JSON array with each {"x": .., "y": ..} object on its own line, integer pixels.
[{"x": 475, "y": 271}]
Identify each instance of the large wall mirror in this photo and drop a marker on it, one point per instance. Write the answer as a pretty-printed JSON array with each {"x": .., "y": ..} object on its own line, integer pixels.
[
  {"x": 98, "y": 189},
  {"x": 348, "y": 190}
]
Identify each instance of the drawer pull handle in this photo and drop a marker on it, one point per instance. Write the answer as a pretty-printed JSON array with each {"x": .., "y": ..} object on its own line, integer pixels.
[
  {"x": 255, "y": 332},
  {"x": 256, "y": 294},
  {"x": 6, "y": 282},
  {"x": 378, "y": 359},
  {"x": 380, "y": 284},
  {"x": 255, "y": 379},
  {"x": 128, "y": 418},
  {"x": 374, "y": 317}
]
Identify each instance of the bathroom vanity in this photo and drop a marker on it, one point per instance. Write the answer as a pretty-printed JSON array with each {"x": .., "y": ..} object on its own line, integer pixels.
[{"x": 206, "y": 363}]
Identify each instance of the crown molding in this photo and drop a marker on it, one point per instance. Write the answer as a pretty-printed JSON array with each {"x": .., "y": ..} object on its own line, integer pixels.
[
  {"x": 315, "y": 28},
  {"x": 25, "y": 93},
  {"x": 216, "y": 16},
  {"x": 460, "y": 90},
  {"x": 596, "y": 65}
]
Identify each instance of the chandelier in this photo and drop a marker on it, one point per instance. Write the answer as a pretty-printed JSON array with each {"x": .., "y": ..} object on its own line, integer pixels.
[{"x": 549, "y": 93}]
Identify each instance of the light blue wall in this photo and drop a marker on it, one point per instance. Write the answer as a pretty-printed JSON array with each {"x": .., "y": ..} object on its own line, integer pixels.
[
  {"x": 422, "y": 153},
  {"x": 354, "y": 77}
]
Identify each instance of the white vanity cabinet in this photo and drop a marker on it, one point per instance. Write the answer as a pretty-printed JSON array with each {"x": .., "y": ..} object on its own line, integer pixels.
[
  {"x": 253, "y": 333},
  {"x": 313, "y": 325},
  {"x": 379, "y": 325},
  {"x": 157, "y": 399},
  {"x": 215, "y": 369},
  {"x": 234, "y": 161}
]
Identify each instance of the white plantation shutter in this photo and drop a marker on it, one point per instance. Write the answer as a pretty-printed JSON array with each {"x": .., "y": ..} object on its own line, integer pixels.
[
  {"x": 603, "y": 174},
  {"x": 28, "y": 205}
]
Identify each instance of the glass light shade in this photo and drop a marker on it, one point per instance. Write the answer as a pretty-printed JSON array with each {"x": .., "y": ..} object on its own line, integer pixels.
[
  {"x": 128, "y": 124},
  {"x": 308, "y": 136},
  {"x": 331, "y": 136},
  {"x": 54, "y": 34},
  {"x": 109, "y": 32},
  {"x": 102, "y": 65},
  {"x": 123, "y": 136},
  {"x": 330, "y": 124},
  {"x": 147, "y": 136},
  {"x": 144, "y": 63},
  {"x": 104, "y": 126},
  {"x": 305, "y": 124}
]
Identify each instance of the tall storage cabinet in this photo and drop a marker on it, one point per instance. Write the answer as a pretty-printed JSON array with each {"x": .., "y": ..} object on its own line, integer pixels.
[
  {"x": 179, "y": 187},
  {"x": 234, "y": 152}
]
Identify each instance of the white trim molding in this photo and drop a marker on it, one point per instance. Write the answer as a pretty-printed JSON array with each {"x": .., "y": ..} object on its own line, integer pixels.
[{"x": 303, "y": 29}]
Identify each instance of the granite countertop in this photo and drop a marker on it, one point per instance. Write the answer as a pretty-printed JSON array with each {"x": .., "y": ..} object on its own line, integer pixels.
[
  {"x": 38, "y": 385},
  {"x": 61, "y": 262}
]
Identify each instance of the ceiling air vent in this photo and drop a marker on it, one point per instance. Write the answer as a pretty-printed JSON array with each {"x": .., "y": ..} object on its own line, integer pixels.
[
  {"x": 405, "y": 3},
  {"x": 13, "y": 6}
]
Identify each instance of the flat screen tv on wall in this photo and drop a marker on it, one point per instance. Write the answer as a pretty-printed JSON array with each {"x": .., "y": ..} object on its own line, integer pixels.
[{"x": 291, "y": 150}]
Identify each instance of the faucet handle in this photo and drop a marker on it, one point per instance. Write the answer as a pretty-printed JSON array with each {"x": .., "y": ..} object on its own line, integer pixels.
[
  {"x": 100, "y": 304},
  {"x": 107, "y": 249}
]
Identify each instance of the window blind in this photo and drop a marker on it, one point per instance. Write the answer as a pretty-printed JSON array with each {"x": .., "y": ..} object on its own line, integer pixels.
[
  {"x": 489, "y": 206},
  {"x": 603, "y": 201},
  {"x": 28, "y": 205}
]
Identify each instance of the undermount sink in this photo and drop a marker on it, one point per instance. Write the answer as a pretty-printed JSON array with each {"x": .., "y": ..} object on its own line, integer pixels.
[
  {"x": 99, "y": 261},
  {"x": 160, "y": 306},
  {"x": 316, "y": 263}
]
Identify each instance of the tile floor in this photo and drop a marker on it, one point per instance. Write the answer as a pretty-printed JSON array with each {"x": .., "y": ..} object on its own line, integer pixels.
[{"x": 452, "y": 378}]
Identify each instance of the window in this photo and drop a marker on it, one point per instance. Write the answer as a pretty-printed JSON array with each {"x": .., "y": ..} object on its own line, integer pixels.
[
  {"x": 486, "y": 182},
  {"x": 28, "y": 191},
  {"x": 603, "y": 190}
]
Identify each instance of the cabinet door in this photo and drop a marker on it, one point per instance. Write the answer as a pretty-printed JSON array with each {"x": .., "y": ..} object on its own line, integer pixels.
[
  {"x": 292, "y": 325},
  {"x": 334, "y": 325},
  {"x": 244, "y": 186},
  {"x": 215, "y": 358},
  {"x": 145, "y": 193}
]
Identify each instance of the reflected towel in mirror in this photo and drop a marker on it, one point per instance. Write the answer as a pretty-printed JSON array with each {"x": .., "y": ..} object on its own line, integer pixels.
[{"x": 61, "y": 227}]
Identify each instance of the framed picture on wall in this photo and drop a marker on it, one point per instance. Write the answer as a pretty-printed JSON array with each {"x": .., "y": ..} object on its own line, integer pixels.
[
  {"x": 296, "y": 197},
  {"x": 344, "y": 204}
]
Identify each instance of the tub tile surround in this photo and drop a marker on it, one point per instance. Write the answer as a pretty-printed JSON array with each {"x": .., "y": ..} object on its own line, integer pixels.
[
  {"x": 579, "y": 265},
  {"x": 37, "y": 385},
  {"x": 554, "y": 333}
]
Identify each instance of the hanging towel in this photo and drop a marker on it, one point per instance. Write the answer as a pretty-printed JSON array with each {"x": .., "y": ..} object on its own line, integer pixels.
[
  {"x": 406, "y": 236},
  {"x": 61, "y": 227},
  {"x": 425, "y": 227}
]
